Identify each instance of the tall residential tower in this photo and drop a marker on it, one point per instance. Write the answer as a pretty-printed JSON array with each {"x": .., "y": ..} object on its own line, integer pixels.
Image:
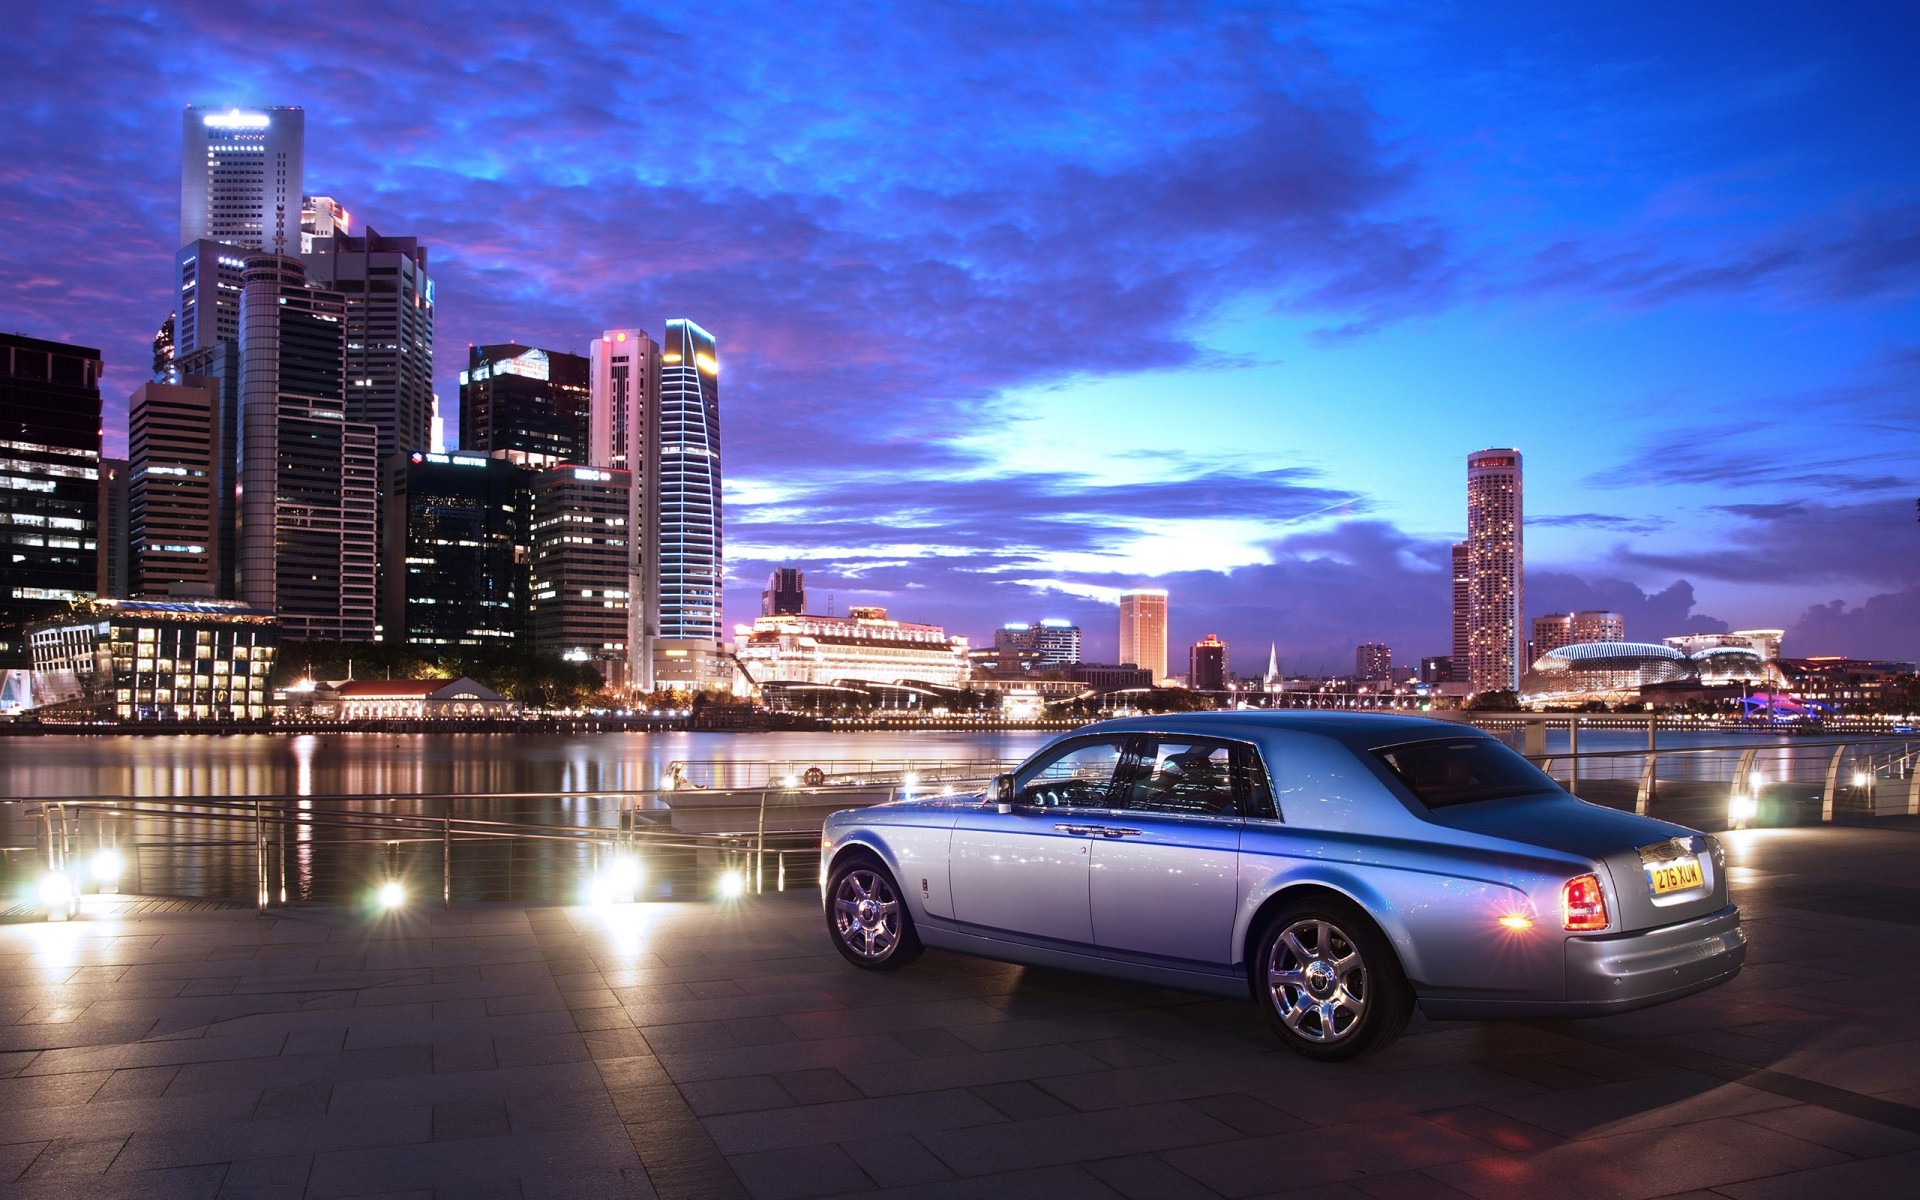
[{"x": 1496, "y": 642}]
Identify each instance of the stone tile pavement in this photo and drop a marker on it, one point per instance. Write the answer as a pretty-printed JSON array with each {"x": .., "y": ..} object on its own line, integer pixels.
[{"x": 723, "y": 1050}]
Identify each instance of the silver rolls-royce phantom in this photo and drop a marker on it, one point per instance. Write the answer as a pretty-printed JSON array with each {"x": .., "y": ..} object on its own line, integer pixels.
[{"x": 1342, "y": 867}]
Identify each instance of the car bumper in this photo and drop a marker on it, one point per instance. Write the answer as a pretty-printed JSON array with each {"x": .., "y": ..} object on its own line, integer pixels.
[{"x": 1615, "y": 973}]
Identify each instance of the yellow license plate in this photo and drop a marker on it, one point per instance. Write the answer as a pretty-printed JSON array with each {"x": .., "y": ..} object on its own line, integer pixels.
[{"x": 1675, "y": 876}]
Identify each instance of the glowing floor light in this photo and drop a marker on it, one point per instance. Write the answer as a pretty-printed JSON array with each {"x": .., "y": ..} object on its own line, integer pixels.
[{"x": 392, "y": 895}]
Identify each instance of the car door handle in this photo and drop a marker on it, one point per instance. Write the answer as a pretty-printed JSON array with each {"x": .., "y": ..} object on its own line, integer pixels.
[
  {"x": 1116, "y": 831},
  {"x": 1080, "y": 830}
]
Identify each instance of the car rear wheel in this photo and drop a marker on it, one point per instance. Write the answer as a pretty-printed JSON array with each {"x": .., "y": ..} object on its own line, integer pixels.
[
  {"x": 867, "y": 917},
  {"x": 1329, "y": 981}
]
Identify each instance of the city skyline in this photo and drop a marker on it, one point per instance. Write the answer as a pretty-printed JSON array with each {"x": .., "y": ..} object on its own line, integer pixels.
[{"x": 1667, "y": 257}]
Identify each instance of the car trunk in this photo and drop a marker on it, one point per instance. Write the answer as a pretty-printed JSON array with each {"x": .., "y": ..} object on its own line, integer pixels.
[{"x": 1637, "y": 851}]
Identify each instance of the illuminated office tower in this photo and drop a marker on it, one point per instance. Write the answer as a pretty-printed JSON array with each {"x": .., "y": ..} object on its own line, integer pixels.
[
  {"x": 580, "y": 559},
  {"x": 1207, "y": 665},
  {"x": 1494, "y": 563},
  {"x": 786, "y": 593},
  {"x": 174, "y": 437},
  {"x": 115, "y": 563},
  {"x": 622, "y": 423},
  {"x": 49, "y": 482},
  {"x": 682, "y": 588},
  {"x": 240, "y": 177},
  {"x": 307, "y": 474},
  {"x": 1143, "y": 630},
  {"x": 457, "y": 543},
  {"x": 1462, "y": 609},
  {"x": 1373, "y": 662},
  {"x": 527, "y": 405},
  {"x": 321, "y": 218},
  {"x": 208, "y": 274},
  {"x": 389, "y": 301}
]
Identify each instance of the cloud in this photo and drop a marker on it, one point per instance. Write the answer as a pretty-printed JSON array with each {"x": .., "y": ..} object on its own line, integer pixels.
[
  {"x": 1600, "y": 521},
  {"x": 1803, "y": 542},
  {"x": 1886, "y": 626},
  {"x": 1649, "y": 616}
]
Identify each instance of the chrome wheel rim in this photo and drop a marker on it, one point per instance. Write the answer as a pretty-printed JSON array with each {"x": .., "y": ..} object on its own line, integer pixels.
[
  {"x": 866, "y": 914},
  {"x": 1318, "y": 981}
]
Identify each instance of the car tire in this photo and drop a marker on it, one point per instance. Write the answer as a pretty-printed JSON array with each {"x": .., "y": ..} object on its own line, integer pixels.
[
  {"x": 1329, "y": 981},
  {"x": 867, "y": 915}
]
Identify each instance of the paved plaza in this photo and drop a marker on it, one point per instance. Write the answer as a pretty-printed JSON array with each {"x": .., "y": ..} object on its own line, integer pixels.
[{"x": 723, "y": 1049}]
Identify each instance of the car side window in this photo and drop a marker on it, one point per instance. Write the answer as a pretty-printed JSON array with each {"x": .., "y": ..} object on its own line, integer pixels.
[
  {"x": 1193, "y": 776},
  {"x": 1251, "y": 787},
  {"x": 1082, "y": 774}
]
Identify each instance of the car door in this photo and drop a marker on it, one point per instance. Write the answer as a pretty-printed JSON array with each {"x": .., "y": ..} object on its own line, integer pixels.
[
  {"x": 1025, "y": 872},
  {"x": 1164, "y": 879}
]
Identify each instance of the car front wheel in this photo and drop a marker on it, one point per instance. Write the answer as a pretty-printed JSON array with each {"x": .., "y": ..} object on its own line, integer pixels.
[
  {"x": 1329, "y": 981},
  {"x": 867, "y": 918}
]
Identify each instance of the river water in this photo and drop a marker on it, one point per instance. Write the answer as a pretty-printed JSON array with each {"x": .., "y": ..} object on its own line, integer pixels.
[{"x": 377, "y": 772}]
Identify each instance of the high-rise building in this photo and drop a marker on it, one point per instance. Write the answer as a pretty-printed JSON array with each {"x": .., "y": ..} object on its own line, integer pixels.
[
  {"x": 163, "y": 348},
  {"x": 114, "y": 574},
  {"x": 623, "y": 423},
  {"x": 219, "y": 366},
  {"x": 683, "y": 479},
  {"x": 1462, "y": 606},
  {"x": 208, "y": 274},
  {"x": 1207, "y": 665},
  {"x": 1596, "y": 625},
  {"x": 389, "y": 299},
  {"x": 580, "y": 562},
  {"x": 1436, "y": 669},
  {"x": 526, "y": 404},
  {"x": 49, "y": 482},
  {"x": 1496, "y": 653},
  {"x": 1550, "y": 632},
  {"x": 240, "y": 177},
  {"x": 458, "y": 544},
  {"x": 1372, "y": 662},
  {"x": 786, "y": 593},
  {"x": 321, "y": 218},
  {"x": 1051, "y": 642},
  {"x": 1143, "y": 630},
  {"x": 307, "y": 474},
  {"x": 174, "y": 437}
]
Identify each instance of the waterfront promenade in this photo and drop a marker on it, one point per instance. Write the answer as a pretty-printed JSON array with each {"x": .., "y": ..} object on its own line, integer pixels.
[{"x": 723, "y": 1049}]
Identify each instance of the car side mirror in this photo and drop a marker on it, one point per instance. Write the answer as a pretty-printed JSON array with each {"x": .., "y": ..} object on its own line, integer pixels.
[{"x": 1002, "y": 791}]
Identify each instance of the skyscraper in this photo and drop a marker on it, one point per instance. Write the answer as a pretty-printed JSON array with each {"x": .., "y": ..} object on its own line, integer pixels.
[
  {"x": 1598, "y": 625},
  {"x": 1496, "y": 653},
  {"x": 526, "y": 404},
  {"x": 114, "y": 570},
  {"x": 1372, "y": 662},
  {"x": 1462, "y": 608},
  {"x": 1143, "y": 630},
  {"x": 307, "y": 474},
  {"x": 684, "y": 479},
  {"x": 786, "y": 593},
  {"x": 389, "y": 299},
  {"x": 1550, "y": 632},
  {"x": 240, "y": 177},
  {"x": 1207, "y": 665},
  {"x": 50, "y": 504},
  {"x": 623, "y": 421},
  {"x": 174, "y": 437},
  {"x": 580, "y": 563},
  {"x": 458, "y": 541},
  {"x": 208, "y": 274}
]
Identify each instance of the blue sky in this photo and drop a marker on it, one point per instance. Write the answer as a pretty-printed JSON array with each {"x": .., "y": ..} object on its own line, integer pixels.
[{"x": 1023, "y": 304}]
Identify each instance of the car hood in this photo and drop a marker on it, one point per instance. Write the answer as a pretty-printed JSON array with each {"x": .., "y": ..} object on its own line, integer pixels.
[{"x": 1557, "y": 821}]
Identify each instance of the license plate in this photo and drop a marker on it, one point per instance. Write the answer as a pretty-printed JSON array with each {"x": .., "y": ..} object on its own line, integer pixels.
[{"x": 1676, "y": 876}]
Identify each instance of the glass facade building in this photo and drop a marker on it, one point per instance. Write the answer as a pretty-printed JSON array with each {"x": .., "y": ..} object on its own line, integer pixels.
[
  {"x": 155, "y": 660},
  {"x": 1143, "y": 630},
  {"x": 458, "y": 548},
  {"x": 528, "y": 404},
  {"x": 685, "y": 481},
  {"x": 580, "y": 580},
  {"x": 49, "y": 482}
]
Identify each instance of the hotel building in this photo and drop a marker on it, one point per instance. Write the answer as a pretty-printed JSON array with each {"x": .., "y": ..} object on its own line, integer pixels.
[
  {"x": 155, "y": 660},
  {"x": 1496, "y": 649}
]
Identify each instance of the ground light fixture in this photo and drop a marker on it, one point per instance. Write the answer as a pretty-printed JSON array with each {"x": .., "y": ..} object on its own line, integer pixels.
[
  {"x": 58, "y": 895},
  {"x": 617, "y": 882},
  {"x": 391, "y": 895},
  {"x": 106, "y": 868},
  {"x": 733, "y": 884},
  {"x": 1742, "y": 808}
]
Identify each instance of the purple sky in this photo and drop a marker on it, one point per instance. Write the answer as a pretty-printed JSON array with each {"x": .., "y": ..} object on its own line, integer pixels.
[{"x": 1019, "y": 305}]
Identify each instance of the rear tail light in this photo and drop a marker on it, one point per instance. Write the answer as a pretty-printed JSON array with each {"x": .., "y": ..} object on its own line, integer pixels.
[{"x": 1583, "y": 907}]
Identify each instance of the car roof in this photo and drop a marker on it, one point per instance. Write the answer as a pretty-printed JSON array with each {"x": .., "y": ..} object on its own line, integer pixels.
[{"x": 1357, "y": 729}]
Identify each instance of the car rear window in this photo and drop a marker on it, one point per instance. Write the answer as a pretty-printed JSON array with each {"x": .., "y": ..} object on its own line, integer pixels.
[{"x": 1452, "y": 771}]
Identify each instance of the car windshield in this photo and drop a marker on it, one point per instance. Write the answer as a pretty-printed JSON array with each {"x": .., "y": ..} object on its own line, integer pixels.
[{"x": 1464, "y": 770}]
